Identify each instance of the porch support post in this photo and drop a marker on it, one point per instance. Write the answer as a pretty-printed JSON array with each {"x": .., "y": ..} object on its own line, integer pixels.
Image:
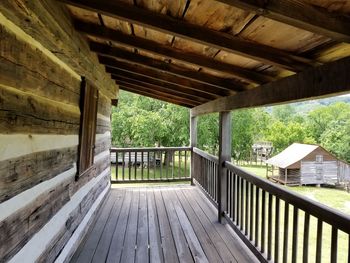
[
  {"x": 193, "y": 143},
  {"x": 224, "y": 155}
]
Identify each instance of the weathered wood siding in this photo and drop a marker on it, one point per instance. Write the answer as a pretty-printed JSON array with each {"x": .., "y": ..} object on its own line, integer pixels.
[{"x": 43, "y": 210}]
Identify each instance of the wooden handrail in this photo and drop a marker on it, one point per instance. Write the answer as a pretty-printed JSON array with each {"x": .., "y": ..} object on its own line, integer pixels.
[
  {"x": 318, "y": 210},
  {"x": 149, "y": 149},
  {"x": 206, "y": 155}
]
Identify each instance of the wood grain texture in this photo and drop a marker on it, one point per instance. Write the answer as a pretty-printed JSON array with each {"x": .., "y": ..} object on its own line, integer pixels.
[
  {"x": 28, "y": 69},
  {"x": 19, "y": 227},
  {"x": 121, "y": 55},
  {"x": 165, "y": 77},
  {"x": 49, "y": 23},
  {"x": 301, "y": 15},
  {"x": 329, "y": 79},
  {"x": 26, "y": 113},
  {"x": 168, "y": 52},
  {"x": 22, "y": 173},
  {"x": 180, "y": 28}
]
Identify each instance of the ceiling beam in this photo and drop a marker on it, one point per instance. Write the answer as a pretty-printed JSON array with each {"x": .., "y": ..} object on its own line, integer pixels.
[
  {"x": 199, "y": 34},
  {"x": 159, "y": 96},
  {"x": 162, "y": 83},
  {"x": 165, "y": 77},
  {"x": 124, "y": 79},
  {"x": 330, "y": 79},
  {"x": 200, "y": 77},
  {"x": 302, "y": 15},
  {"x": 247, "y": 75}
]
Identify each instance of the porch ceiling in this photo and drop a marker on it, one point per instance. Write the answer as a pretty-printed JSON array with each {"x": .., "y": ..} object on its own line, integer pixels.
[{"x": 192, "y": 52}]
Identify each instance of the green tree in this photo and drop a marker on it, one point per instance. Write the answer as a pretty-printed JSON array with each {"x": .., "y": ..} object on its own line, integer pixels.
[
  {"x": 282, "y": 135},
  {"x": 337, "y": 139},
  {"x": 208, "y": 133}
]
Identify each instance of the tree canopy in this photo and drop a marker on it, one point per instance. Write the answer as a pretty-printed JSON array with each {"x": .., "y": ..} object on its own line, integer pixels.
[{"x": 141, "y": 121}]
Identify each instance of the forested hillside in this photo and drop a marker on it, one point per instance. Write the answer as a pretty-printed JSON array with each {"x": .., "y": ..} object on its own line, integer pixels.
[{"x": 141, "y": 121}]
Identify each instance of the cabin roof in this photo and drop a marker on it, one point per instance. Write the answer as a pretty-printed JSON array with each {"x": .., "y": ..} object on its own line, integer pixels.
[
  {"x": 194, "y": 52},
  {"x": 292, "y": 154}
]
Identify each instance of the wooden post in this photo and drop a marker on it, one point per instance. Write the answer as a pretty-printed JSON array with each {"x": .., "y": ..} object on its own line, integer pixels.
[
  {"x": 193, "y": 143},
  {"x": 224, "y": 155}
]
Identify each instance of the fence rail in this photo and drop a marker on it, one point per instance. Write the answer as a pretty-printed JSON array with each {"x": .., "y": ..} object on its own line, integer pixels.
[
  {"x": 275, "y": 223},
  {"x": 206, "y": 166},
  {"x": 133, "y": 165}
]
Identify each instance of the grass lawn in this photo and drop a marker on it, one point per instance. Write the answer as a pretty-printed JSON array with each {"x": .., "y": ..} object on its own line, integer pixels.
[
  {"x": 178, "y": 170},
  {"x": 334, "y": 198}
]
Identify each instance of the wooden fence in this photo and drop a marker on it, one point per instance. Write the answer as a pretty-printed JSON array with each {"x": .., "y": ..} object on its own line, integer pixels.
[
  {"x": 133, "y": 165},
  {"x": 267, "y": 216}
]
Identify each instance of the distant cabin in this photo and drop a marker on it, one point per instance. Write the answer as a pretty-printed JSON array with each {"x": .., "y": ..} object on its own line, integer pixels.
[{"x": 306, "y": 164}]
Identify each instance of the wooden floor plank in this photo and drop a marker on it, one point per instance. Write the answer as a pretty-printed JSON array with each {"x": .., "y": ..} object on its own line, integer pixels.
[
  {"x": 160, "y": 224},
  {"x": 182, "y": 248},
  {"x": 216, "y": 241},
  {"x": 232, "y": 241},
  {"x": 116, "y": 247},
  {"x": 156, "y": 253},
  {"x": 96, "y": 232},
  {"x": 129, "y": 246},
  {"x": 191, "y": 237},
  {"x": 168, "y": 244},
  {"x": 142, "y": 252},
  {"x": 101, "y": 252}
]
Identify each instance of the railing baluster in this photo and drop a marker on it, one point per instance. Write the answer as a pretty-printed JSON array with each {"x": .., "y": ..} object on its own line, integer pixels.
[
  {"x": 142, "y": 165},
  {"x": 161, "y": 165},
  {"x": 233, "y": 188},
  {"x": 154, "y": 165},
  {"x": 257, "y": 195},
  {"x": 173, "y": 166},
  {"x": 185, "y": 171},
  {"x": 229, "y": 192},
  {"x": 179, "y": 165},
  {"x": 277, "y": 229},
  {"x": 263, "y": 215},
  {"x": 269, "y": 228},
  {"x": 116, "y": 166},
  {"x": 246, "y": 207},
  {"x": 242, "y": 204},
  {"x": 306, "y": 238},
  {"x": 135, "y": 164},
  {"x": 167, "y": 162},
  {"x": 148, "y": 164},
  {"x": 251, "y": 215},
  {"x": 123, "y": 166},
  {"x": 319, "y": 241},
  {"x": 129, "y": 164},
  {"x": 238, "y": 200},
  {"x": 285, "y": 232},
  {"x": 295, "y": 235},
  {"x": 334, "y": 245}
]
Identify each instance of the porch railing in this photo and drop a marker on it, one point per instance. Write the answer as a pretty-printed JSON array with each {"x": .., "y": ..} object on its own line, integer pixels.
[
  {"x": 276, "y": 224},
  {"x": 150, "y": 164}
]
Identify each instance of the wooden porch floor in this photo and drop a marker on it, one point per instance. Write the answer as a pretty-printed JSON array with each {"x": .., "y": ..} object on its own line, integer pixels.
[{"x": 160, "y": 224}]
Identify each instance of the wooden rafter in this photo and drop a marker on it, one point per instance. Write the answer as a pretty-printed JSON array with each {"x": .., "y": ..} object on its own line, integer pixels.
[
  {"x": 178, "y": 92},
  {"x": 329, "y": 79},
  {"x": 168, "y": 52},
  {"x": 299, "y": 14},
  {"x": 138, "y": 84},
  {"x": 199, "y": 77},
  {"x": 167, "y": 87},
  {"x": 167, "y": 78},
  {"x": 199, "y": 34},
  {"x": 159, "y": 96}
]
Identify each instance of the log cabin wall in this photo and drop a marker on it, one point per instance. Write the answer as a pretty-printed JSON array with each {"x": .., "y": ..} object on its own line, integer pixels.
[{"x": 44, "y": 212}]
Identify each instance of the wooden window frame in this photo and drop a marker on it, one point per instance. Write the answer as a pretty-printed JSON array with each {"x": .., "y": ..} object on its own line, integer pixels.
[{"x": 88, "y": 121}]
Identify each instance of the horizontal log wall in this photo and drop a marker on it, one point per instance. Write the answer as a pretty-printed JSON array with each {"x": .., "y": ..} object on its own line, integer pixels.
[{"x": 39, "y": 135}]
